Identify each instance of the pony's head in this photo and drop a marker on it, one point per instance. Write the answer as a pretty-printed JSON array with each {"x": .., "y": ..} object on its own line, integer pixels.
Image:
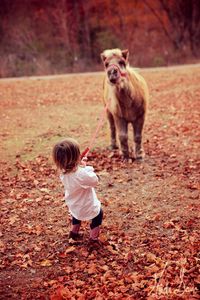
[{"x": 115, "y": 62}]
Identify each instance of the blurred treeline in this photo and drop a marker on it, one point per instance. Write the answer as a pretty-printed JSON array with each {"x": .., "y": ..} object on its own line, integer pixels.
[{"x": 58, "y": 36}]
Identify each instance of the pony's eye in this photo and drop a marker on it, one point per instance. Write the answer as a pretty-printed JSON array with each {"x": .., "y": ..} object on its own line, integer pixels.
[
  {"x": 122, "y": 63},
  {"x": 106, "y": 65}
]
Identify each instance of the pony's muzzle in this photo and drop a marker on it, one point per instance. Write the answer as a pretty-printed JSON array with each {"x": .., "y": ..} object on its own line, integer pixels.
[{"x": 113, "y": 75}]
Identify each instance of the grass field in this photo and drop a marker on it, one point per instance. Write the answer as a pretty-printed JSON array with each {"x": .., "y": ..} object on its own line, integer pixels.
[{"x": 150, "y": 232}]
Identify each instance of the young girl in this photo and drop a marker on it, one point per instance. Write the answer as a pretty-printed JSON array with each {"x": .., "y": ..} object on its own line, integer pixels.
[{"x": 79, "y": 181}]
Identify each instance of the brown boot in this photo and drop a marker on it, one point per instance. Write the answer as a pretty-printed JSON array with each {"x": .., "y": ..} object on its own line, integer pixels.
[
  {"x": 94, "y": 233},
  {"x": 74, "y": 233},
  {"x": 75, "y": 236},
  {"x": 94, "y": 243}
]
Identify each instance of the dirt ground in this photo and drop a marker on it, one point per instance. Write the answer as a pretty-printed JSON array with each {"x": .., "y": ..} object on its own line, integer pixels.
[{"x": 150, "y": 232}]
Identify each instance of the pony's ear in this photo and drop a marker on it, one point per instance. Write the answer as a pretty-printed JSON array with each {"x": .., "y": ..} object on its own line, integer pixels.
[
  {"x": 103, "y": 57},
  {"x": 125, "y": 54}
]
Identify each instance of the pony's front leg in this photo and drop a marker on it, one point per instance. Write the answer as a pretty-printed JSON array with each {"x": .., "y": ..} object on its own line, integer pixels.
[
  {"x": 112, "y": 131},
  {"x": 137, "y": 128},
  {"x": 122, "y": 129}
]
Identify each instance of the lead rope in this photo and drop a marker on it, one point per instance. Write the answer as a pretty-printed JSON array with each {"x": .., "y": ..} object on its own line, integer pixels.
[{"x": 99, "y": 125}]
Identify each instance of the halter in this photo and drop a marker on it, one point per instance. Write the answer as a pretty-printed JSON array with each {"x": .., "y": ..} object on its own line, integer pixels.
[
  {"x": 122, "y": 74},
  {"x": 115, "y": 66}
]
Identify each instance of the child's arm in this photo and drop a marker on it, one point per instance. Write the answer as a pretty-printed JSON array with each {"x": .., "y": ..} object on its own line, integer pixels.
[{"x": 87, "y": 178}]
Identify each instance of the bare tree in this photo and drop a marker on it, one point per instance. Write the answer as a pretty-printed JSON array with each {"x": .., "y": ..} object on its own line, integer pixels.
[{"x": 183, "y": 21}]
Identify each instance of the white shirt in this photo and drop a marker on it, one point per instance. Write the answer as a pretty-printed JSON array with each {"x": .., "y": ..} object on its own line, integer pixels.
[{"x": 80, "y": 195}]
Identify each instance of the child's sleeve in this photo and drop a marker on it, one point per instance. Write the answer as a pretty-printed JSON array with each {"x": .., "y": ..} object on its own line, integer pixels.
[{"x": 87, "y": 178}]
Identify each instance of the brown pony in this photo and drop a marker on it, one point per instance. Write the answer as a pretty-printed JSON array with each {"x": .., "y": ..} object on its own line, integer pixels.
[{"x": 127, "y": 94}]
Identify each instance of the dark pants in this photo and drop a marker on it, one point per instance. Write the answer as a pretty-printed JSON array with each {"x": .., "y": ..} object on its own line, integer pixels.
[{"x": 95, "y": 222}]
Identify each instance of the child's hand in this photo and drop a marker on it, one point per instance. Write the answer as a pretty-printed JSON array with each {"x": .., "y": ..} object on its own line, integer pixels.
[{"x": 84, "y": 161}]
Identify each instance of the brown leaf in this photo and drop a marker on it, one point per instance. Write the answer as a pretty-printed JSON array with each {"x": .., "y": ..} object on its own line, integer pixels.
[
  {"x": 168, "y": 224},
  {"x": 70, "y": 249},
  {"x": 13, "y": 219},
  {"x": 129, "y": 256},
  {"x": 46, "y": 263},
  {"x": 92, "y": 269},
  {"x": 2, "y": 247}
]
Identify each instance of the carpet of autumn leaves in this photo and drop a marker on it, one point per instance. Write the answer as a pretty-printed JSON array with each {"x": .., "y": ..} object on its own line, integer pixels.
[{"x": 150, "y": 233}]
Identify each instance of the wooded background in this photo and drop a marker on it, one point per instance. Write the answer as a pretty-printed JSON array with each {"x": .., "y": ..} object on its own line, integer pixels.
[{"x": 49, "y": 37}]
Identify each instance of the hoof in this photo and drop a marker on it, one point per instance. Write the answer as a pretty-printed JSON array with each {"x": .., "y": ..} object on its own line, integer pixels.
[
  {"x": 126, "y": 159},
  {"x": 140, "y": 155},
  {"x": 113, "y": 147}
]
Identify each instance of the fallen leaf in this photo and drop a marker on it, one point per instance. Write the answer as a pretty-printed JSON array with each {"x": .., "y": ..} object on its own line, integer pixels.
[
  {"x": 70, "y": 249},
  {"x": 46, "y": 263}
]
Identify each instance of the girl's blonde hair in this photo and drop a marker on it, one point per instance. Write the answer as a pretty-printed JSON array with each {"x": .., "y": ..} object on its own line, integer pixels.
[{"x": 66, "y": 155}]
